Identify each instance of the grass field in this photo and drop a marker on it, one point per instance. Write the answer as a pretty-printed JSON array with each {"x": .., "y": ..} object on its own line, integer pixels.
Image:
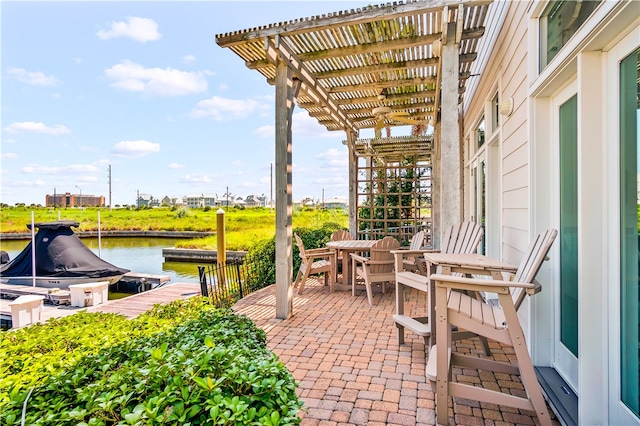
[{"x": 244, "y": 226}]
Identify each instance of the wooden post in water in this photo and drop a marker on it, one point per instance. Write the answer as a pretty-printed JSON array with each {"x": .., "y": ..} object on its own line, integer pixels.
[{"x": 220, "y": 233}]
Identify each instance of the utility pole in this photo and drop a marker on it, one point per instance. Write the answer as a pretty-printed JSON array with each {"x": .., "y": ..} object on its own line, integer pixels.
[
  {"x": 271, "y": 188},
  {"x": 322, "y": 198},
  {"x": 227, "y": 197},
  {"x": 54, "y": 198},
  {"x": 138, "y": 198},
  {"x": 109, "y": 177}
]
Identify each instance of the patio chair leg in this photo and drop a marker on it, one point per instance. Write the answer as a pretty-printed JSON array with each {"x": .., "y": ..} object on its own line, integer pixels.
[
  {"x": 297, "y": 281},
  {"x": 304, "y": 280}
]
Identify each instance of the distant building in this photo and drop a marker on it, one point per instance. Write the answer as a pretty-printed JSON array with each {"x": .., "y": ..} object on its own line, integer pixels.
[
  {"x": 170, "y": 201},
  {"x": 200, "y": 200},
  {"x": 336, "y": 203},
  {"x": 74, "y": 200},
  {"x": 255, "y": 201}
]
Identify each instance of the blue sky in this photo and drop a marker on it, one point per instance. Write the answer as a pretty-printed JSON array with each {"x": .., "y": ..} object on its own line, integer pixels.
[{"x": 143, "y": 87}]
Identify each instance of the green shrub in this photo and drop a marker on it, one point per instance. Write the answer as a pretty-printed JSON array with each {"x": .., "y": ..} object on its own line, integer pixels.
[{"x": 184, "y": 363}]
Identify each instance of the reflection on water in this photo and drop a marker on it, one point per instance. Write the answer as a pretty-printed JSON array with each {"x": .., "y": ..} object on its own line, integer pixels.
[{"x": 142, "y": 255}]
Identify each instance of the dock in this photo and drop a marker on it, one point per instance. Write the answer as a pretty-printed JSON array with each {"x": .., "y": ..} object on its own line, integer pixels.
[
  {"x": 130, "y": 306},
  {"x": 198, "y": 255}
]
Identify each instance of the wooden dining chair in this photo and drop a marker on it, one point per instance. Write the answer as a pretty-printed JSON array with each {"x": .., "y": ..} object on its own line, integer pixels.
[
  {"x": 499, "y": 322},
  {"x": 314, "y": 261},
  {"x": 377, "y": 268}
]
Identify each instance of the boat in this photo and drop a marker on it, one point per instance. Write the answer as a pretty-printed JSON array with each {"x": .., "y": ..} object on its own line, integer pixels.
[{"x": 61, "y": 259}]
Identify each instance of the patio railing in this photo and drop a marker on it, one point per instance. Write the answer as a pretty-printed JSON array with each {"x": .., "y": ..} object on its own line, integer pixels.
[{"x": 225, "y": 284}]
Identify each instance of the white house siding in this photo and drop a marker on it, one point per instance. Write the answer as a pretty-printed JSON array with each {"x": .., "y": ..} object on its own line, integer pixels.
[
  {"x": 528, "y": 178},
  {"x": 506, "y": 72}
]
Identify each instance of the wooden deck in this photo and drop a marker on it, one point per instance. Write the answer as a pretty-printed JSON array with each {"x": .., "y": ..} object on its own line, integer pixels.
[
  {"x": 138, "y": 303},
  {"x": 130, "y": 306}
]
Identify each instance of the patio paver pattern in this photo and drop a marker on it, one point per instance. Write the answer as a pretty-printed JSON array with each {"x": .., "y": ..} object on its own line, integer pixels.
[{"x": 351, "y": 371}]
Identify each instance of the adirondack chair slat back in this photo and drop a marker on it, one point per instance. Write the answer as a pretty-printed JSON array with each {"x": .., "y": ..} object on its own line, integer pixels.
[
  {"x": 300, "y": 245},
  {"x": 341, "y": 235},
  {"x": 381, "y": 251},
  {"x": 417, "y": 241},
  {"x": 463, "y": 237},
  {"x": 531, "y": 262}
]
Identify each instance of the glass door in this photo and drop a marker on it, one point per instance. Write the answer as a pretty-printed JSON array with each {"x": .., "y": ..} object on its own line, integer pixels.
[
  {"x": 566, "y": 308},
  {"x": 630, "y": 231},
  {"x": 479, "y": 196}
]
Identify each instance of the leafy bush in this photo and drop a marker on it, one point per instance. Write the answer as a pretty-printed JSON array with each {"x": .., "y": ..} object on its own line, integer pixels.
[{"x": 184, "y": 363}]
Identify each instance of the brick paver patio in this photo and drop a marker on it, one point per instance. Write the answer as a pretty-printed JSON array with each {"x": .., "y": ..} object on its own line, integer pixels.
[{"x": 351, "y": 371}]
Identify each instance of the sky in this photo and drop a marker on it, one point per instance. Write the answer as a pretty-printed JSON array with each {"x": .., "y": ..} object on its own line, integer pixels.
[{"x": 143, "y": 89}]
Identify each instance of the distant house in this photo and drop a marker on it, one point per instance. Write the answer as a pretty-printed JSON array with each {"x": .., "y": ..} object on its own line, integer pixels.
[
  {"x": 336, "y": 203},
  {"x": 200, "y": 200},
  {"x": 147, "y": 200},
  {"x": 169, "y": 201},
  {"x": 255, "y": 201}
]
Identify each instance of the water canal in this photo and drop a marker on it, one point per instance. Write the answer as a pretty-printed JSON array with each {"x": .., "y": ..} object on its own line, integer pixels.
[{"x": 142, "y": 255}]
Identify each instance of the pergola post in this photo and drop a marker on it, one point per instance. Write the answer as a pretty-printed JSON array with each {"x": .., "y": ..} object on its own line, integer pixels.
[
  {"x": 284, "y": 202},
  {"x": 353, "y": 183},
  {"x": 450, "y": 153}
]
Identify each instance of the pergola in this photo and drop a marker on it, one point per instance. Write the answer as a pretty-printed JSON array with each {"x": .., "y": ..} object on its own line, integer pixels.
[{"x": 394, "y": 64}]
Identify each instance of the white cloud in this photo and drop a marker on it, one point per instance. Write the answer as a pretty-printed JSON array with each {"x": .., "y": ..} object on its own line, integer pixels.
[
  {"x": 187, "y": 59},
  {"x": 303, "y": 126},
  {"x": 24, "y": 183},
  {"x": 138, "y": 29},
  {"x": 65, "y": 170},
  {"x": 268, "y": 131},
  {"x": 196, "y": 178},
  {"x": 335, "y": 158},
  {"x": 176, "y": 166},
  {"x": 35, "y": 127},
  {"x": 9, "y": 156},
  {"x": 134, "y": 148},
  {"x": 133, "y": 77},
  {"x": 225, "y": 109},
  {"x": 222, "y": 87},
  {"x": 36, "y": 78},
  {"x": 77, "y": 60}
]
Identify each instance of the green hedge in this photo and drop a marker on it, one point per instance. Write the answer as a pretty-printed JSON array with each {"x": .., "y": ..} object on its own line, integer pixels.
[{"x": 184, "y": 363}]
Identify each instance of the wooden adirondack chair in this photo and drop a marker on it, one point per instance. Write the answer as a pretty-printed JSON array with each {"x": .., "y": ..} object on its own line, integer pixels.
[
  {"x": 314, "y": 261},
  {"x": 414, "y": 262},
  {"x": 377, "y": 268},
  {"x": 500, "y": 323},
  {"x": 463, "y": 237}
]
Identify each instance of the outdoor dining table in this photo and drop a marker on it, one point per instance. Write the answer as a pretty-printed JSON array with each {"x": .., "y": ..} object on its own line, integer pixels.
[
  {"x": 347, "y": 247},
  {"x": 450, "y": 263}
]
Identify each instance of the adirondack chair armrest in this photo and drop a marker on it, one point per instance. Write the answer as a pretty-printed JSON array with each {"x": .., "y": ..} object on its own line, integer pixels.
[
  {"x": 407, "y": 252},
  {"x": 379, "y": 262},
  {"x": 358, "y": 258},
  {"x": 319, "y": 255},
  {"x": 474, "y": 284},
  {"x": 537, "y": 288}
]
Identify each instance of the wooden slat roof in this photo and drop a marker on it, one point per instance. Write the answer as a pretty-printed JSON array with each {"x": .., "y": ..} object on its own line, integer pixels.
[
  {"x": 351, "y": 62},
  {"x": 396, "y": 148}
]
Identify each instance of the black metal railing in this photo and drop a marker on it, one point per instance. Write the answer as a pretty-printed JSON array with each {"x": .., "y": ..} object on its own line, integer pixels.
[{"x": 225, "y": 284}]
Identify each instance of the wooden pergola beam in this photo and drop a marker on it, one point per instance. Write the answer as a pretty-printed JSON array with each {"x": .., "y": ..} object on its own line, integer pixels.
[
  {"x": 399, "y": 44},
  {"x": 346, "y": 72},
  {"x": 340, "y": 19},
  {"x": 275, "y": 48}
]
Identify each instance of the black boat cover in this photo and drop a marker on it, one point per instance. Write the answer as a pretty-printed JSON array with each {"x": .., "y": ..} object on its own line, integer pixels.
[{"x": 59, "y": 253}]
